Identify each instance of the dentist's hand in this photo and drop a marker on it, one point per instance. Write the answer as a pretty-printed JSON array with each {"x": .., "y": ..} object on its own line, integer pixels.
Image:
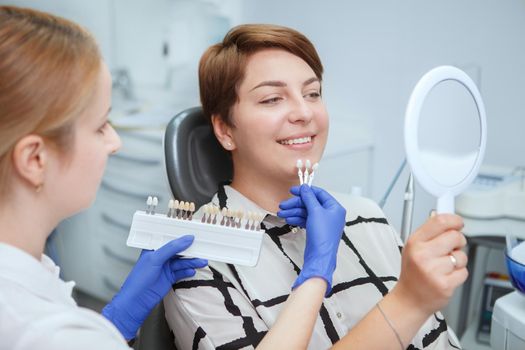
[
  {"x": 150, "y": 280},
  {"x": 324, "y": 220}
]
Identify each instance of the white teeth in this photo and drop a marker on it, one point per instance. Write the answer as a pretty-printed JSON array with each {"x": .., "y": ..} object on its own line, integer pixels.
[{"x": 296, "y": 141}]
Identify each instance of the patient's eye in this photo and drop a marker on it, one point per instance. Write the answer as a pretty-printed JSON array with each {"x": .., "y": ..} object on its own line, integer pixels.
[
  {"x": 314, "y": 95},
  {"x": 272, "y": 100}
]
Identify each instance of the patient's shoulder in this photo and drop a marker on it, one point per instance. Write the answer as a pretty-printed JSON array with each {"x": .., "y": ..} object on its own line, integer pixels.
[{"x": 358, "y": 206}]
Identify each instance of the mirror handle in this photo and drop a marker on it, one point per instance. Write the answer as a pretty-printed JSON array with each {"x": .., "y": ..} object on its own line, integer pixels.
[{"x": 445, "y": 204}]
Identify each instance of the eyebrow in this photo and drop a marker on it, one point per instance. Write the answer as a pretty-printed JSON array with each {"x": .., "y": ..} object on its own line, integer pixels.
[{"x": 278, "y": 83}]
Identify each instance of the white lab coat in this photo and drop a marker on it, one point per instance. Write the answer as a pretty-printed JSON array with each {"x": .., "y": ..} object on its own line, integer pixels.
[{"x": 38, "y": 312}]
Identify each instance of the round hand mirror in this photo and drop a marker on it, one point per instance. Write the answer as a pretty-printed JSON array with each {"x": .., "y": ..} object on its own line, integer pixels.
[{"x": 445, "y": 133}]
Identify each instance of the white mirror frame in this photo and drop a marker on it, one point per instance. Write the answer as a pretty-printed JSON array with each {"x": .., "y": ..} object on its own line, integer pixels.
[{"x": 445, "y": 194}]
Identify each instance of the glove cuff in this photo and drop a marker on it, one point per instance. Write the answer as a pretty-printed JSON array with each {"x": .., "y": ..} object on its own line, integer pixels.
[
  {"x": 127, "y": 327},
  {"x": 324, "y": 270}
]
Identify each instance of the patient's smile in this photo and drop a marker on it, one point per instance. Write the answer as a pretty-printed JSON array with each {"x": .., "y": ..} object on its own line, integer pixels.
[{"x": 297, "y": 141}]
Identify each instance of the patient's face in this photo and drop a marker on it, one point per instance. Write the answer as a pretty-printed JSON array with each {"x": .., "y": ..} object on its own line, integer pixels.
[{"x": 280, "y": 116}]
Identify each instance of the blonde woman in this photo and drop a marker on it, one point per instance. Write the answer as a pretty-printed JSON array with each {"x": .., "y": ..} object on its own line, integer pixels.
[{"x": 55, "y": 96}]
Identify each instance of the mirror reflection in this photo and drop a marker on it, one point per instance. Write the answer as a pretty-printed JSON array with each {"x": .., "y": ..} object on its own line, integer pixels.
[{"x": 449, "y": 133}]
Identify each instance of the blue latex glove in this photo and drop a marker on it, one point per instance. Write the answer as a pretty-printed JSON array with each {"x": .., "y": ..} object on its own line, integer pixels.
[
  {"x": 324, "y": 220},
  {"x": 150, "y": 280}
]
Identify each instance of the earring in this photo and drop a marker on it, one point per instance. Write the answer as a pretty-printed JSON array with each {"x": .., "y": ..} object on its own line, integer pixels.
[
  {"x": 229, "y": 144},
  {"x": 38, "y": 188}
]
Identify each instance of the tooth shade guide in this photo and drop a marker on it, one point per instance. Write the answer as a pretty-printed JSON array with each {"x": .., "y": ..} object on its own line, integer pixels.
[
  {"x": 299, "y": 165},
  {"x": 149, "y": 202},
  {"x": 204, "y": 212},
  {"x": 306, "y": 176},
  {"x": 155, "y": 202},
  {"x": 311, "y": 179},
  {"x": 170, "y": 208},
  {"x": 192, "y": 210},
  {"x": 213, "y": 242},
  {"x": 229, "y": 218}
]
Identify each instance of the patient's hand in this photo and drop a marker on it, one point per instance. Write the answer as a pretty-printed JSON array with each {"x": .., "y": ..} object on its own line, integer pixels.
[{"x": 429, "y": 275}]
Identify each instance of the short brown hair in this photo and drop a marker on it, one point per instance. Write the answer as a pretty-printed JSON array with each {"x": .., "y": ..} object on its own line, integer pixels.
[
  {"x": 49, "y": 68},
  {"x": 222, "y": 66}
]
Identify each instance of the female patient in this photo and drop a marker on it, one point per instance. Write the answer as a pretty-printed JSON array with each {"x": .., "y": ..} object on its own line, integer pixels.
[{"x": 261, "y": 90}]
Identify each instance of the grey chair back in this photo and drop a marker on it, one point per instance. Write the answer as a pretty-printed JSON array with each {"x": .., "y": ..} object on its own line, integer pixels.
[
  {"x": 195, "y": 161},
  {"x": 195, "y": 164}
]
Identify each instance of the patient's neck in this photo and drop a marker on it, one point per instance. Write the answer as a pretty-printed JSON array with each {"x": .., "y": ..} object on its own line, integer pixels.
[{"x": 266, "y": 192}]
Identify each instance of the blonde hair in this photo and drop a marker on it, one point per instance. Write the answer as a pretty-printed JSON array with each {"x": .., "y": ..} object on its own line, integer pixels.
[{"x": 48, "y": 70}]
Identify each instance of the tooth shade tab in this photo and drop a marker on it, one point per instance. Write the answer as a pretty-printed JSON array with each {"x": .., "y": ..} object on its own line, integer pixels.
[{"x": 306, "y": 175}]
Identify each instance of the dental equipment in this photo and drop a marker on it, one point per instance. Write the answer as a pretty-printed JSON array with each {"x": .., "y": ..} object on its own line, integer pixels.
[
  {"x": 149, "y": 202},
  {"x": 299, "y": 165},
  {"x": 408, "y": 209},
  {"x": 314, "y": 168},
  {"x": 231, "y": 239},
  {"x": 307, "y": 176}
]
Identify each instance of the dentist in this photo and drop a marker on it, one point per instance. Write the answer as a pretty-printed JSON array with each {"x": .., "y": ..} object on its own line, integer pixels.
[{"x": 55, "y": 95}]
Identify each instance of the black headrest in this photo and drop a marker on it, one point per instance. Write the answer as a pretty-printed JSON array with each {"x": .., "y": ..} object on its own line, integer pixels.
[{"x": 195, "y": 161}]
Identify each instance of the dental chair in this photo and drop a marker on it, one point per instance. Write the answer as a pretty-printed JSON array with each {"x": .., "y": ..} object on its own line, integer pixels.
[{"x": 195, "y": 164}]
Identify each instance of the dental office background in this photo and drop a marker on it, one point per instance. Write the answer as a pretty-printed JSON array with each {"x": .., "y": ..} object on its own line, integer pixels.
[{"x": 373, "y": 51}]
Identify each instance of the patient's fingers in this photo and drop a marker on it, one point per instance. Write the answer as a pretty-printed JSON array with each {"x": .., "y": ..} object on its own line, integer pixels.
[
  {"x": 445, "y": 264},
  {"x": 447, "y": 242},
  {"x": 458, "y": 276},
  {"x": 437, "y": 225}
]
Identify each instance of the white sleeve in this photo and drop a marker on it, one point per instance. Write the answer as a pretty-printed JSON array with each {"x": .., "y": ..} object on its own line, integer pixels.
[{"x": 80, "y": 330}]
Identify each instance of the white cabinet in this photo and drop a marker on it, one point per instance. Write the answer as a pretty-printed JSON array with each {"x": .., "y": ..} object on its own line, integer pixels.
[{"x": 91, "y": 246}]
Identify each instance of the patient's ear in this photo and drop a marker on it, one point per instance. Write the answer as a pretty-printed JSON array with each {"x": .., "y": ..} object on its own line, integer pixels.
[
  {"x": 223, "y": 132},
  {"x": 30, "y": 158}
]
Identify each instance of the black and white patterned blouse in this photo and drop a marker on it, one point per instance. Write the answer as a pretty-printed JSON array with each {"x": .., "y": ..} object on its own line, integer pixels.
[{"x": 226, "y": 306}]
